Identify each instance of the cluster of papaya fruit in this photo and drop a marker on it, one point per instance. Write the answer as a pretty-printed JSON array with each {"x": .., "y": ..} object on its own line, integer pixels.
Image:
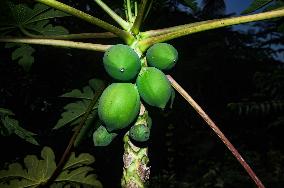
[{"x": 120, "y": 102}]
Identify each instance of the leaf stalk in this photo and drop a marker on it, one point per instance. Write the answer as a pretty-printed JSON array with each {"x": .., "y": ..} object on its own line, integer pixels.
[
  {"x": 152, "y": 37},
  {"x": 59, "y": 43},
  {"x": 216, "y": 130}
]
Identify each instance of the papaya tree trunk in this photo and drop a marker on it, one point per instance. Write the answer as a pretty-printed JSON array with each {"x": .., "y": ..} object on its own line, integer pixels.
[{"x": 136, "y": 171}]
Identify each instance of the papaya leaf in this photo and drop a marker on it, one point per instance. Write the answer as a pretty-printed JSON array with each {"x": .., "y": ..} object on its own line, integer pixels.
[
  {"x": 255, "y": 5},
  {"x": 24, "y": 55},
  {"x": 80, "y": 175},
  {"x": 87, "y": 93},
  {"x": 44, "y": 28},
  {"x": 30, "y": 21},
  {"x": 4, "y": 111},
  {"x": 21, "y": 16},
  {"x": 79, "y": 161},
  {"x": 43, "y": 12},
  {"x": 74, "y": 111},
  {"x": 9, "y": 125},
  {"x": 35, "y": 171}
]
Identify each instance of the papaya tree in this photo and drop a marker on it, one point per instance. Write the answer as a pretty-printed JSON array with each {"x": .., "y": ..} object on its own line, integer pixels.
[{"x": 136, "y": 65}]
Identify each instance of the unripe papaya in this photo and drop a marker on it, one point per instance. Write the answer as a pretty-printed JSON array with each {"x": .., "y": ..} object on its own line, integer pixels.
[
  {"x": 154, "y": 87},
  {"x": 139, "y": 132},
  {"x": 162, "y": 56},
  {"x": 102, "y": 137},
  {"x": 121, "y": 62},
  {"x": 119, "y": 105}
]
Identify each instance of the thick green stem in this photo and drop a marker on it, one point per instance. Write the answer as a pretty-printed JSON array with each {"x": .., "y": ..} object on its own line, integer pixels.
[
  {"x": 128, "y": 38},
  {"x": 139, "y": 18},
  {"x": 178, "y": 31},
  {"x": 59, "y": 43},
  {"x": 111, "y": 13},
  {"x": 135, "y": 170}
]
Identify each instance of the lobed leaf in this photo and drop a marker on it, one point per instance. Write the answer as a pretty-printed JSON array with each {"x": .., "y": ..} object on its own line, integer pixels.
[
  {"x": 37, "y": 171},
  {"x": 75, "y": 110},
  {"x": 44, "y": 28},
  {"x": 81, "y": 176},
  {"x": 24, "y": 55},
  {"x": 9, "y": 125},
  {"x": 79, "y": 161}
]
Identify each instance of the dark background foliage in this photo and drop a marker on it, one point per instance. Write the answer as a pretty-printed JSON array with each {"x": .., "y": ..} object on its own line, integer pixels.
[{"x": 232, "y": 74}]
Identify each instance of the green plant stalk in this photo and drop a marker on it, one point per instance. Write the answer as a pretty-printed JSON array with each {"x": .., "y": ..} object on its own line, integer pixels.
[
  {"x": 129, "y": 12},
  {"x": 179, "y": 31},
  {"x": 103, "y": 35},
  {"x": 216, "y": 129},
  {"x": 139, "y": 18},
  {"x": 67, "y": 151},
  {"x": 127, "y": 37},
  {"x": 113, "y": 15},
  {"x": 135, "y": 8},
  {"x": 59, "y": 43},
  {"x": 135, "y": 170}
]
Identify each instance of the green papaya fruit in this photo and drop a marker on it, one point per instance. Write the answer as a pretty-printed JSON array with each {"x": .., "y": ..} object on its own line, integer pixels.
[
  {"x": 119, "y": 105},
  {"x": 162, "y": 56},
  {"x": 102, "y": 137},
  {"x": 139, "y": 132},
  {"x": 121, "y": 62},
  {"x": 154, "y": 87}
]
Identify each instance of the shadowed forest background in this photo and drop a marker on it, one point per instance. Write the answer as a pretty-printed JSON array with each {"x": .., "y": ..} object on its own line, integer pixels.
[{"x": 232, "y": 74}]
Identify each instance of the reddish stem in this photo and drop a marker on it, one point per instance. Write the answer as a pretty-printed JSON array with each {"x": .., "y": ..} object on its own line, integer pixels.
[{"x": 215, "y": 128}]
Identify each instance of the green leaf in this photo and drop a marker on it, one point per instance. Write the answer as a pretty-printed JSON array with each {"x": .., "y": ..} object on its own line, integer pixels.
[
  {"x": 30, "y": 21},
  {"x": 9, "y": 125},
  {"x": 40, "y": 14},
  {"x": 44, "y": 28},
  {"x": 4, "y": 111},
  {"x": 21, "y": 15},
  {"x": 255, "y": 5},
  {"x": 192, "y": 4},
  {"x": 35, "y": 171},
  {"x": 87, "y": 92},
  {"x": 13, "y": 126},
  {"x": 24, "y": 55},
  {"x": 81, "y": 176},
  {"x": 79, "y": 161},
  {"x": 73, "y": 111}
]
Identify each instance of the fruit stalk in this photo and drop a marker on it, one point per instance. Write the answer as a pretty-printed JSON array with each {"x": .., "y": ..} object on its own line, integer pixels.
[{"x": 135, "y": 170}]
